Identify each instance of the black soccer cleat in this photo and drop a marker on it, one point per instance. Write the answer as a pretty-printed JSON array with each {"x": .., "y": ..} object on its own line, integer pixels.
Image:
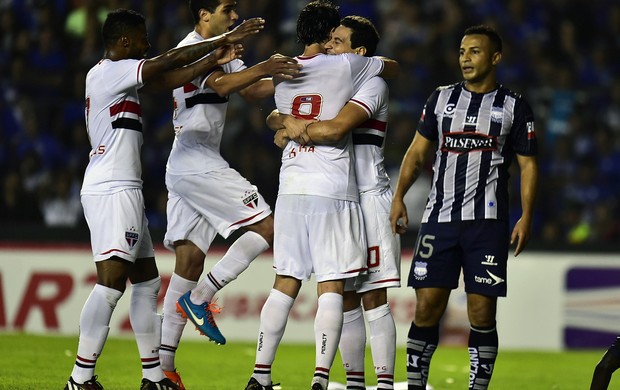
[
  {"x": 90, "y": 384},
  {"x": 164, "y": 384},
  {"x": 253, "y": 384}
]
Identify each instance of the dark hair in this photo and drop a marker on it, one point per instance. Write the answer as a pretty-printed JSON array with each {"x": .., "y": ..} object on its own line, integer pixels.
[
  {"x": 118, "y": 22},
  {"x": 363, "y": 33},
  {"x": 496, "y": 40},
  {"x": 316, "y": 21},
  {"x": 196, "y": 5}
]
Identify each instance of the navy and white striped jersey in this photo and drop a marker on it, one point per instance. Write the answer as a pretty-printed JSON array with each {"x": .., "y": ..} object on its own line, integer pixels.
[{"x": 477, "y": 135}]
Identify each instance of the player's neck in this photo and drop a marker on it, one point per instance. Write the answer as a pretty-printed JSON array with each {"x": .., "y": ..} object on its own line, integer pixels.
[
  {"x": 482, "y": 86},
  {"x": 313, "y": 49}
]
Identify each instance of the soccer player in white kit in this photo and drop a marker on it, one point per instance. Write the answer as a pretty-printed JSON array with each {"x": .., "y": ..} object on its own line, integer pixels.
[
  {"x": 112, "y": 187},
  {"x": 206, "y": 196},
  {"x": 318, "y": 223},
  {"x": 366, "y": 115}
]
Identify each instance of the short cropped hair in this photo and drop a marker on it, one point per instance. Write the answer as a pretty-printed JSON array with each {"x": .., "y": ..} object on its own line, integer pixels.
[
  {"x": 363, "y": 33},
  {"x": 494, "y": 37},
  {"x": 118, "y": 22},
  {"x": 196, "y": 5},
  {"x": 316, "y": 21}
]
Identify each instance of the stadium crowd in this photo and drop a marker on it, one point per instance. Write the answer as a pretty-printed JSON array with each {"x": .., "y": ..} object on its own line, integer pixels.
[{"x": 559, "y": 54}]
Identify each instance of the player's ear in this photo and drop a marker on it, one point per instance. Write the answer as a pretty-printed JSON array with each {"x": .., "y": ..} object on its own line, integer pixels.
[
  {"x": 125, "y": 41},
  {"x": 360, "y": 50},
  {"x": 204, "y": 15},
  {"x": 496, "y": 58}
]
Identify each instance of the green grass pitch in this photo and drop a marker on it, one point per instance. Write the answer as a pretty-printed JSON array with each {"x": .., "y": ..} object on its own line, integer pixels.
[{"x": 45, "y": 362}]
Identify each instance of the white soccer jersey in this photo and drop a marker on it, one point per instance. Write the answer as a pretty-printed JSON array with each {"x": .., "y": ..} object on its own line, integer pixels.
[
  {"x": 114, "y": 124},
  {"x": 369, "y": 137},
  {"x": 198, "y": 119},
  {"x": 327, "y": 83}
]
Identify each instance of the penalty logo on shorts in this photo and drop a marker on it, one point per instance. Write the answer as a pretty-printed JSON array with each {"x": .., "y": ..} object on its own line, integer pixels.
[
  {"x": 251, "y": 199},
  {"x": 419, "y": 271},
  {"x": 131, "y": 236}
]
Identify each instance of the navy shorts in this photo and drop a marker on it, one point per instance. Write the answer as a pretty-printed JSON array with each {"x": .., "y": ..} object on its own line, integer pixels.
[{"x": 479, "y": 248}]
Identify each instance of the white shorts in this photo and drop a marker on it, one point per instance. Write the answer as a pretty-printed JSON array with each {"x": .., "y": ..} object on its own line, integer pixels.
[
  {"x": 202, "y": 205},
  {"x": 314, "y": 234},
  {"x": 383, "y": 247},
  {"x": 118, "y": 225}
]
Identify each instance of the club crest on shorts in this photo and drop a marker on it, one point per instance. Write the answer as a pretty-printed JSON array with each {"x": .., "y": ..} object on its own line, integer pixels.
[
  {"x": 419, "y": 270},
  {"x": 250, "y": 199},
  {"x": 131, "y": 236}
]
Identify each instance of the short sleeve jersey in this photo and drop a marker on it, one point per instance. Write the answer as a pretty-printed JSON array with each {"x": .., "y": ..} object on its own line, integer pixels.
[
  {"x": 326, "y": 84},
  {"x": 477, "y": 135},
  {"x": 199, "y": 116},
  {"x": 369, "y": 137},
  {"x": 114, "y": 125}
]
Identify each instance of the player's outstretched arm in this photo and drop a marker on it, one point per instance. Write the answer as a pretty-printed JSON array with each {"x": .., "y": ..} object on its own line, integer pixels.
[
  {"x": 255, "y": 82},
  {"x": 185, "y": 55},
  {"x": 410, "y": 170},
  {"x": 528, "y": 166},
  {"x": 391, "y": 68},
  {"x": 177, "y": 77}
]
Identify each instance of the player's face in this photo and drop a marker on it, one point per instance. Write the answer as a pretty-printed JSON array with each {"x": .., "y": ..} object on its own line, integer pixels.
[
  {"x": 340, "y": 41},
  {"x": 224, "y": 17},
  {"x": 139, "y": 42},
  {"x": 476, "y": 58}
]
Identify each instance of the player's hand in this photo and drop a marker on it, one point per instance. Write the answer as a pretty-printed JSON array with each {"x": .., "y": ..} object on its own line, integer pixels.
[
  {"x": 297, "y": 129},
  {"x": 281, "y": 66},
  {"x": 281, "y": 139},
  {"x": 398, "y": 216},
  {"x": 520, "y": 234},
  {"x": 228, "y": 53},
  {"x": 245, "y": 29}
]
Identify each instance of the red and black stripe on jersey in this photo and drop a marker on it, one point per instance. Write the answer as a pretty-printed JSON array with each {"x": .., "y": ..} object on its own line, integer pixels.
[
  {"x": 365, "y": 134},
  {"x": 494, "y": 125},
  {"x": 122, "y": 122},
  {"x": 202, "y": 98}
]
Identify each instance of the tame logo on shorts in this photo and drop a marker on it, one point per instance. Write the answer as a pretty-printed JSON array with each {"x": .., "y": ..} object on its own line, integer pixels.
[
  {"x": 131, "y": 237},
  {"x": 419, "y": 270},
  {"x": 251, "y": 199},
  {"x": 494, "y": 280}
]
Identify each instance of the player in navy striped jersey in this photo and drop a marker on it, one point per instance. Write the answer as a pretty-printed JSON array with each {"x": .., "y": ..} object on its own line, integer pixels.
[
  {"x": 112, "y": 187},
  {"x": 476, "y": 128},
  {"x": 366, "y": 116}
]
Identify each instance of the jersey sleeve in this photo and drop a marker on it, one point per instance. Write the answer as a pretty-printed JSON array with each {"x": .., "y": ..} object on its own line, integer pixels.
[
  {"x": 363, "y": 69},
  {"x": 124, "y": 75},
  {"x": 371, "y": 96},
  {"x": 522, "y": 133},
  {"x": 427, "y": 126}
]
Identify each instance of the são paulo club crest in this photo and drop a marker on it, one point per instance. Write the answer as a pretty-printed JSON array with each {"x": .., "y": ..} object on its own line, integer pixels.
[
  {"x": 131, "y": 236},
  {"x": 419, "y": 270},
  {"x": 250, "y": 199}
]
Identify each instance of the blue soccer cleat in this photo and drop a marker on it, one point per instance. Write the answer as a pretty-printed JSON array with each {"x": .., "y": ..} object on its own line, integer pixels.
[{"x": 202, "y": 317}]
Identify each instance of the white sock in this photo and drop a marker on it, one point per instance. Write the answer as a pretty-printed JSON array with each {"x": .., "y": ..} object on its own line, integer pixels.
[
  {"x": 327, "y": 330},
  {"x": 353, "y": 346},
  {"x": 273, "y": 318},
  {"x": 236, "y": 260},
  {"x": 382, "y": 344},
  {"x": 94, "y": 327},
  {"x": 146, "y": 324},
  {"x": 173, "y": 323}
]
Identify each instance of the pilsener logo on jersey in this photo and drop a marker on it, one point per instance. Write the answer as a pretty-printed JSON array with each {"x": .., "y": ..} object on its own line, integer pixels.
[{"x": 465, "y": 142}]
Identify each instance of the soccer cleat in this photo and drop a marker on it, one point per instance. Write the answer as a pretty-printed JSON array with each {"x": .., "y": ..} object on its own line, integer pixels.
[
  {"x": 253, "y": 384},
  {"x": 91, "y": 384},
  {"x": 202, "y": 317},
  {"x": 317, "y": 386},
  {"x": 164, "y": 384},
  {"x": 175, "y": 377}
]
